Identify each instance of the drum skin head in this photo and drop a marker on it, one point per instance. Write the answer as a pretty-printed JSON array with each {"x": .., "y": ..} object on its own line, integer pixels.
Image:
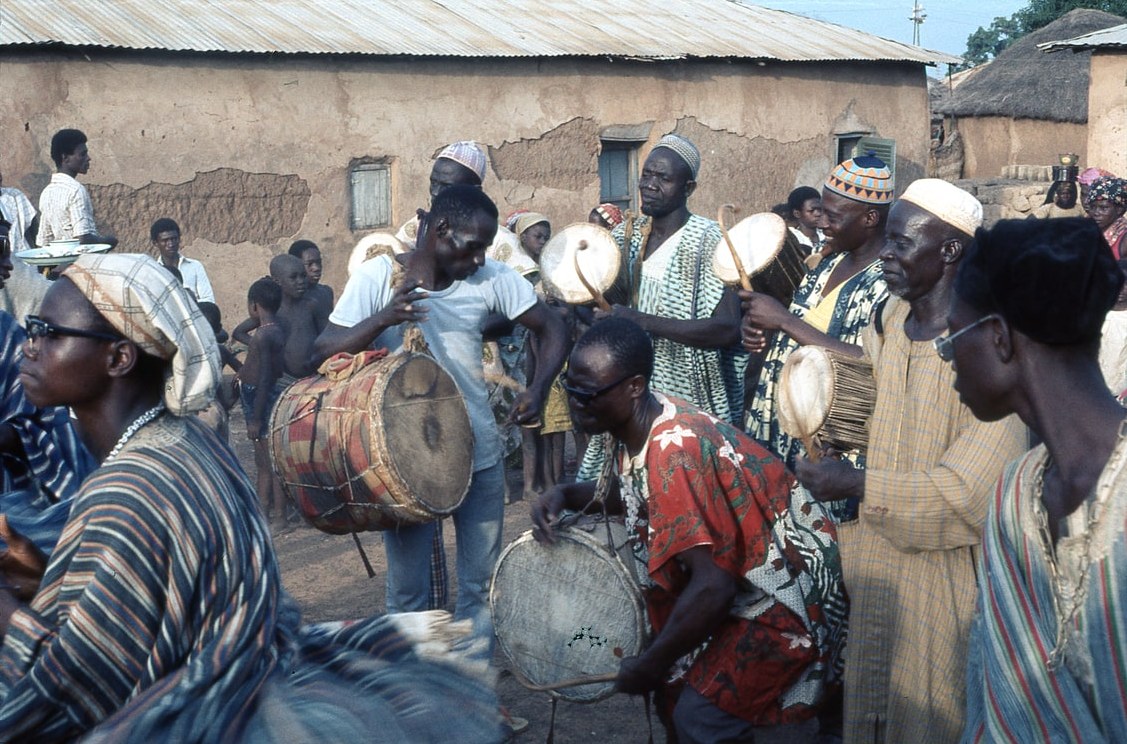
[
  {"x": 426, "y": 426},
  {"x": 600, "y": 261},
  {"x": 805, "y": 391},
  {"x": 757, "y": 238},
  {"x": 568, "y": 610}
]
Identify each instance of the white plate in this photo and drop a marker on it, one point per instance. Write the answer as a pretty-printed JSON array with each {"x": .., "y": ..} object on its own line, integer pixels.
[{"x": 52, "y": 256}]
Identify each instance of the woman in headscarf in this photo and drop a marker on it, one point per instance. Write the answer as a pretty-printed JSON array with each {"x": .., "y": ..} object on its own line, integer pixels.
[
  {"x": 1047, "y": 648},
  {"x": 1106, "y": 203},
  {"x": 160, "y": 615}
]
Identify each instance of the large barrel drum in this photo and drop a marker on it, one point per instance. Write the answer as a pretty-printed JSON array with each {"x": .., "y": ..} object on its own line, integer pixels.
[{"x": 373, "y": 443}]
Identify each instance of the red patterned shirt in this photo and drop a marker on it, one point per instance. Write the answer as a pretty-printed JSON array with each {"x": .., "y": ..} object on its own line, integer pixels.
[{"x": 700, "y": 481}]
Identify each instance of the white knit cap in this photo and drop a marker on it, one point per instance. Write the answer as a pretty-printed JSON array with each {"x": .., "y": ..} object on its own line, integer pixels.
[{"x": 946, "y": 201}]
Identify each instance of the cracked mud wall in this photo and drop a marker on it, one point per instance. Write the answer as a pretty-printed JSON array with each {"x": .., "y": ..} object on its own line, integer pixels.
[{"x": 250, "y": 153}]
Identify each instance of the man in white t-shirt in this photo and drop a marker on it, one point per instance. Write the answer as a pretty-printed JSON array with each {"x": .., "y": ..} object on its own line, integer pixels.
[
  {"x": 65, "y": 209},
  {"x": 450, "y": 288},
  {"x": 165, "y": 234}
]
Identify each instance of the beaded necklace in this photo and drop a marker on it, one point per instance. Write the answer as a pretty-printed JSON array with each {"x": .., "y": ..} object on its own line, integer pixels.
[
  {"x": 1068, "y": 601},
  {"x": 130, "y": 430}
]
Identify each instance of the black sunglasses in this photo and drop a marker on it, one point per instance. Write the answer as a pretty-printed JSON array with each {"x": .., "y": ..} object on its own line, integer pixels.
[
  {"x": 586, "y": 397},
  {"x": 38, "y": 328}
]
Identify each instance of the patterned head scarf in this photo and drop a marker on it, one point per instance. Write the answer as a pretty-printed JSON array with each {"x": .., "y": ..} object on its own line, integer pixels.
[
  {"x": 144, "y": 303},
  {"x": 611, "y": 213},
  {"x": 684, "y": 149},
  {"x": 865, "y": 179},
  {"x": 511, "y": 220},
  {"x": 1112, "y": 189},
  {"x": 467, "y": 153},
  {"x": 527, "y": 220},
  {"x": 1089, "y": 175}
]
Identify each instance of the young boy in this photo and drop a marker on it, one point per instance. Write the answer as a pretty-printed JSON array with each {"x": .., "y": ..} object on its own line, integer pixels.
[
  {"x": 297, "y": 315},
  {"x": 217, "y": 414},
  {"x": 310, "y": 256},
  {"x": 258, "y": 380}
]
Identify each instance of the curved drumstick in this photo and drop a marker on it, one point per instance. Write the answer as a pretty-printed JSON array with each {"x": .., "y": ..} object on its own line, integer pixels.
[
  {"x": 599, "y": 299},
  {"x": 745, "y": 282},
  {"x": 573, "y": 682}
]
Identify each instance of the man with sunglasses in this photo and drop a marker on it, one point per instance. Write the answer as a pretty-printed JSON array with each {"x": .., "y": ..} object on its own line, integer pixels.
[
  {"x": 908, "y": 555},
  {"x": 43, "y": 460},
  {"x": 732, "y": 551}
]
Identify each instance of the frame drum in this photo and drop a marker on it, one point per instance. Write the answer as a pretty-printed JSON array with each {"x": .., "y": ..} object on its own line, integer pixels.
[{"x": 572, "y": 609}]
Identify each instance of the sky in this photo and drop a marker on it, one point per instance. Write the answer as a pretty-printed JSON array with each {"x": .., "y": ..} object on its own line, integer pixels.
[{"x": 946, "y": 28}]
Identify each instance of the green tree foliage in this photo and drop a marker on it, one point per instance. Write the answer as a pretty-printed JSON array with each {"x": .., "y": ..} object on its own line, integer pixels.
[{"x": 987, "y": 42}]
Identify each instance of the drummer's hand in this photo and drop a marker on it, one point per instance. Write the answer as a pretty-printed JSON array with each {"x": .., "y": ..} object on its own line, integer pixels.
[
  {"x": 763, "y": 311},
  {"x": 754, "y": 339},
  {"x": 545, "y": 512},
  {"x": 405, "y": 305},
  {"x": 526, "y": 409},
  {"x": 635, "y": 676},
  {"x": 22, "y": 565},
  {"x": 831, "y": 478}
]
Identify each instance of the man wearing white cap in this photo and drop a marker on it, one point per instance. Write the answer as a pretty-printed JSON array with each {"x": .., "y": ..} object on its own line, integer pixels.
[{"x": 908, "y": 557}]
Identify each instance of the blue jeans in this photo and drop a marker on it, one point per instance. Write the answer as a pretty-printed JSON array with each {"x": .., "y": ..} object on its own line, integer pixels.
[{"x": 477, "y": 529}]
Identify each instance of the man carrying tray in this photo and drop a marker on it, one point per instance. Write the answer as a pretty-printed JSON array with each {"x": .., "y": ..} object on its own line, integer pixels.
[
  {"x": 449, "y": 288},
  {"x": 743, "y": 584},
  {"x": 908, "y": 556}
]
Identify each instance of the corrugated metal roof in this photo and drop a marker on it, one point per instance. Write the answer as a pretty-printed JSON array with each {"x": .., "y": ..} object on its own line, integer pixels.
[
  {"x": 1116, "y": 36},
  {"x": 642, "y": 29}
]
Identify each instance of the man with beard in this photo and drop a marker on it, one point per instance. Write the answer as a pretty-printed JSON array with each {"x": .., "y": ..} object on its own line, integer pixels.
[
  {"x": 908, "y": 557},
  {"x": 669, "y": 289}
]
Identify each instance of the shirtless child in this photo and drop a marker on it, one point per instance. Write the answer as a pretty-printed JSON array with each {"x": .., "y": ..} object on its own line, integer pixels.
[
  {"x": 321, "y": 294},
  {"x": 297, "y": 315},
  {"x": 258, "y": 388}
]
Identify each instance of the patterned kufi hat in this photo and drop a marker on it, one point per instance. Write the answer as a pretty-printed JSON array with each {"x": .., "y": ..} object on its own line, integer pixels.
[
  {"x": 865, "y": 179},
  {"x": 1112, "y": 189},
  {"x": 611, "y": 213},
  {"x": 946, "y": 201},
  {"x": 467, "y": 153},
  {"x": 146, "y": 304},
  {"x": 684, "y": 149}
]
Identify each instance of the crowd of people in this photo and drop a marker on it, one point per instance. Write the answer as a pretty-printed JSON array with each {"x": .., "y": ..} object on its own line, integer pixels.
[{"x": 942, "y": 582}]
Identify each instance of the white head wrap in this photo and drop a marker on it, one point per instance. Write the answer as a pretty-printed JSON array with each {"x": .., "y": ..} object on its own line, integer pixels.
[
  {"x": 146, "y": 304},
  {"x": 467, "y": 153},
  {"x": 946, "y": 201}
]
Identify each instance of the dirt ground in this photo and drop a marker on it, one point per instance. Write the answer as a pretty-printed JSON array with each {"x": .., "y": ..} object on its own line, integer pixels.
[{"x": 326, "y": 576}]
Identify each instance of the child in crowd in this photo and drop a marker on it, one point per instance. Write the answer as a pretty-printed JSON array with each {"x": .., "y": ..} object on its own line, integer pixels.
[
  {"x": 258, "y": 389},
  {"x": 309, "y": 254},
  {"x": 298, "y": 315},
  {"x": 217, "y": 414}
]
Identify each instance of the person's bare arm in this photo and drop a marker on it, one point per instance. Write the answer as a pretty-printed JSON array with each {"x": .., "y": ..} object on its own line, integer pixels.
[
  {"x": 721, "y": 330},
  {"x": 700, "y": 608},
  {"x": 764, "y": 313},
  {"x": 242, "y": 330},
  {"x": 551, "y": 335}
]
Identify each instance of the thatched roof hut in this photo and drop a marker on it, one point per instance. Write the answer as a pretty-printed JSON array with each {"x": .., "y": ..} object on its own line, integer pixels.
[{"x": 1024, "y": 82}]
